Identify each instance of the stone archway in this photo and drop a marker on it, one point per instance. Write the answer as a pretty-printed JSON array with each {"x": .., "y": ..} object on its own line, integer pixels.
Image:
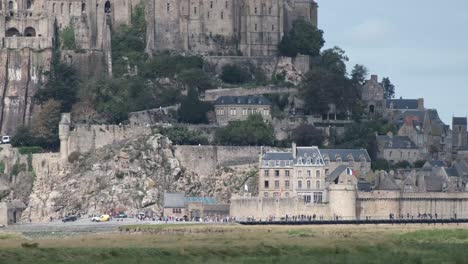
[
  {"x": 29, "y": 32},
  {"x": 12, "y": 32}
]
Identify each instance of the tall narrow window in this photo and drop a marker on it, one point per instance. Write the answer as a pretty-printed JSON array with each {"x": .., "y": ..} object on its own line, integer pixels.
[
  {"x": 61, "y": 8},
  {"x": 83, "y": 7},
  {"x": 53, "y": 7},
  {"x": 29, "y": 4},
  {"x": 195, "y": 10},
  {"x": 168, "y": 7},
  {"x": 222, "y": 15}
]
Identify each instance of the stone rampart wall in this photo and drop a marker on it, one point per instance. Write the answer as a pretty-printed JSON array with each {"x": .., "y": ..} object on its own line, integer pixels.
[
  {"x": 262, "y": 208},
  {"x": 84, "y": 138},
  {"x": 379, "y": 204},
  {"x": 375, "y": 205},
  {"x": 204, "y": 160}
]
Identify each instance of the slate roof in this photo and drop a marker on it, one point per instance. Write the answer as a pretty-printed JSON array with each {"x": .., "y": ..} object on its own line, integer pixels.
[
  {"x": 278, "y": 156},
  {"x": 174, "y": 200},
  {"x": 203, "y": 200},
  {"x": 459, "y": 121},
  {"x": 301, "y": 153},
  {"x": 402, "y": 103},
  {"x": 243, "y": 100},
  {"x": 434, "y": 183},
  {"x": 396, "y": 142},
  {"x": 344, "y": 153},
  {"x": 336, "y": 173},
  {"x": 364, "y": 186},
  {"x": 437, "y": 163}
]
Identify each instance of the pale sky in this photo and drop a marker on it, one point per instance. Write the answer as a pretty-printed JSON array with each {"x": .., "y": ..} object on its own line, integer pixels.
[{"x": 421, "y": 45}]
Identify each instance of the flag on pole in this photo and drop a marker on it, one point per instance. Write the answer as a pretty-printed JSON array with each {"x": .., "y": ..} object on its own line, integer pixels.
[{"x": 349, "y": 171}]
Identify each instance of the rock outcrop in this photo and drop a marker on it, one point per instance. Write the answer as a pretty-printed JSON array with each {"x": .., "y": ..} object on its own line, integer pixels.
[{"x": 128, "y": 176}]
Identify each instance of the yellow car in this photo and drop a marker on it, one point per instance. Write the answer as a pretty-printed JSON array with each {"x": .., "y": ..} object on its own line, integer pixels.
[{"x": 102, "y": 218}]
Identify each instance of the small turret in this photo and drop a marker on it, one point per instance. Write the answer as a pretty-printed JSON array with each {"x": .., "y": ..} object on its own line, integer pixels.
[{"x": 64, "y": 134}]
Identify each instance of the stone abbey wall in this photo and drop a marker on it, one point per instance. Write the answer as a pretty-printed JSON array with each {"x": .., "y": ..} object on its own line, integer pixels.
[
  {"x": 221, "y": 27},
  {"x": 375, "y": 205},
  {"x": 204, "y": 160}
]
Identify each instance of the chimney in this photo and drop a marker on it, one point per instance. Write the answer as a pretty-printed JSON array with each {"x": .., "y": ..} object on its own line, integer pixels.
[
  {"x": 294, "y": 150},
  {"x": 421, "y": 103},
  {"x": 374, "y": 78}
]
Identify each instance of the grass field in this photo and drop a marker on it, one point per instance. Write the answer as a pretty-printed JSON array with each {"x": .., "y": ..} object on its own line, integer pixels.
[{"x": 241, "y": 244}]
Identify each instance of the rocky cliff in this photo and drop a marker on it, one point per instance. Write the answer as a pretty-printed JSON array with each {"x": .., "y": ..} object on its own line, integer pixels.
[
  {"x": 20, "y": 71},
  {"x": 130, "y": 176}
]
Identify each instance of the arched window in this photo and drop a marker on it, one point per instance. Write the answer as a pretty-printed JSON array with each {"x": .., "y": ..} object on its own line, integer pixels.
[
  {"x": 53, "y": 8},
  {"x": 299, "y": 185},
  {"x": 70, "y": 7},
  {"x": 61, "y": 8},
  {"x": 317, "y": 184},
  {"x": 28, "y": 4},
  {"x": 12, "y": 32},
  {"x": 10, "y": 5},
  {"x": 308, "y": 185},
  {"x": 29, "y": 32},
  {"x": 371, "y": 109},
  {"x": 83, "y": 7},
  {"x": 107, "y": 7}
]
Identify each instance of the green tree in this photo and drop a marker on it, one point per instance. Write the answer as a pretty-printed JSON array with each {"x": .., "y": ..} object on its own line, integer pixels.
[
  {"x": 23, "y": 137},
  {"x": 303, "y": 38},
  {"x": 307, "y": 135},
  {"x": 181, "y": 135},
  {"x": 192, "y": 110},
  {"x": 62, "y": 86},
  {"x": 196, "y": 78},
  {"x": 389, "y": 88},
  {"x": 129, "y": 42},
  {"x": 67, "y": 37},
  {"x": 235, "y": 74},
  {"x": 327, "y": 83},
  {"x": 45, "y": 125},
  {"x": 253, "y": 131},
  {"x": 359, "y": 75}
]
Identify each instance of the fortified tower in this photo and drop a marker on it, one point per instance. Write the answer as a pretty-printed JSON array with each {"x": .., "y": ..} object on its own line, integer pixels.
[
  {"x": 343, "y": 201},
  {"x": 459, "y": 133},
  {"x": 64, "y": 134}
]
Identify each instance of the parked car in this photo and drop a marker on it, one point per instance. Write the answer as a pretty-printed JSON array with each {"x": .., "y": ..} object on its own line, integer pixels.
[
  {"x": 101, "y": 218},
  {"x": 121, "y": 215},
  {"x": 6, "y": 139},
  {"x": 70, "y": 218}
]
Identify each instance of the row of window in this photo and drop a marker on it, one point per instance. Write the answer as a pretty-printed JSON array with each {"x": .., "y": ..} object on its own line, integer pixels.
[
  {"x": 390, "y": 154},
  {"x": 245, "y": 111},
  {"x": 70, "y": 7},
  {"x": 287, "y": 185},
  {"x": 176, "y": 210},
  {"x": 317, "y": 198},
  {"x": 277, "y": 173},
  {"x": 289, "y": 163}
]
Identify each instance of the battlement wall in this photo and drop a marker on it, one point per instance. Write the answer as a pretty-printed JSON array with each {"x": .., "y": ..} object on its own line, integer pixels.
[{"x": 84, "y": 138}]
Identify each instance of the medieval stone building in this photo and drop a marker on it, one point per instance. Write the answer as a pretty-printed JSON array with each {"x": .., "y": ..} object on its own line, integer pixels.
[{"x": 221, "y": 27}]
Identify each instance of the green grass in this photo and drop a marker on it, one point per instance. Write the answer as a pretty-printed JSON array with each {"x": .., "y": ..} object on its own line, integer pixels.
[{"x": 237, "y": 244}]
